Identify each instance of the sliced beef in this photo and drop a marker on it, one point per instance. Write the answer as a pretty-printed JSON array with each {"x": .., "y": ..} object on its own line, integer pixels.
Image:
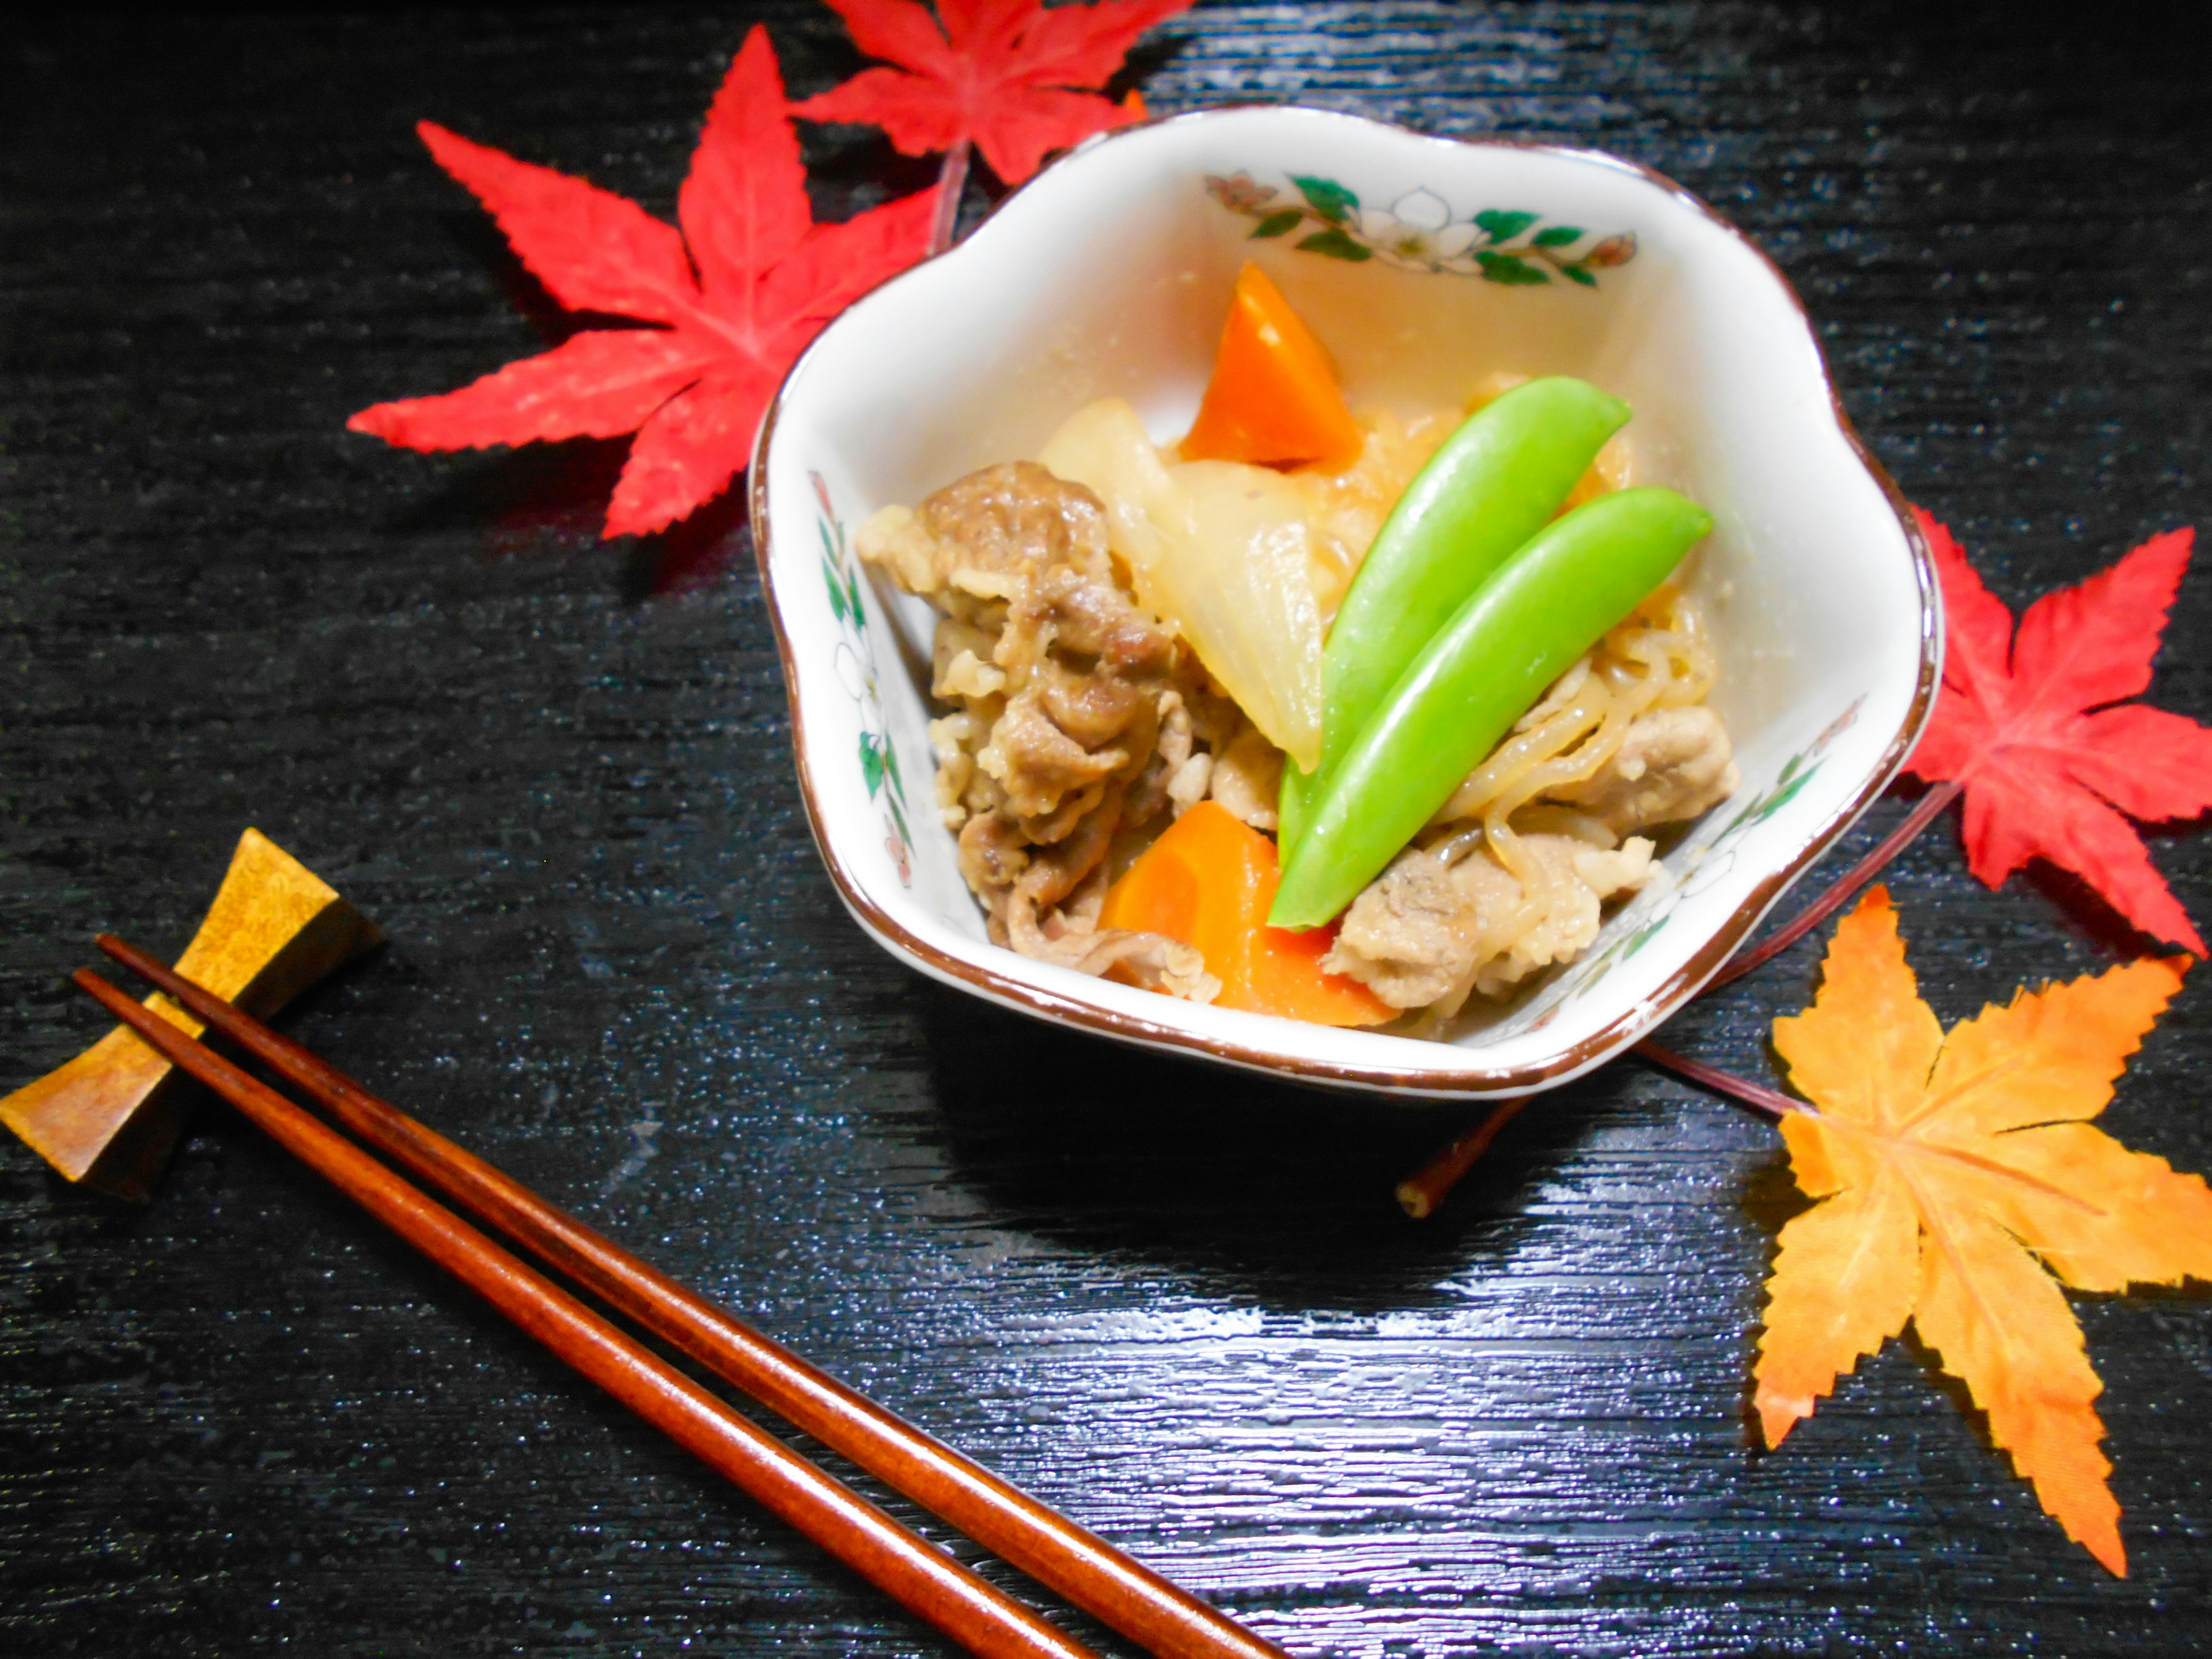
[
  {"x": 1439, "y": 924},
  {"x": 1070, "y": 724},
  {"x": 1673, "y": 765}
]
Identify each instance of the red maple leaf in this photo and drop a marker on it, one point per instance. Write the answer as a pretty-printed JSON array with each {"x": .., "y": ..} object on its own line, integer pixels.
[
  {"x": 2036, "y": 728},
  {"x": 1006, "y": 75},
  {"x": 728, "y": 302}
]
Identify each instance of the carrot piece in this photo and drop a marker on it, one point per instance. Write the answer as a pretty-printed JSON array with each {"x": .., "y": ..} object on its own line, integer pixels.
[
  {"x": 1274, "y": 399},
  {"x": 1208, "y": 882}
]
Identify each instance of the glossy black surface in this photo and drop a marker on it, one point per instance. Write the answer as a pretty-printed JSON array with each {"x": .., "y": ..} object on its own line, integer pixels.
[{"x": 1177, "y": 1303}]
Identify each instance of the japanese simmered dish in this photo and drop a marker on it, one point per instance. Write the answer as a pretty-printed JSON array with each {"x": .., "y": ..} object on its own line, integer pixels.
[{"x": 1343, "y": 719}]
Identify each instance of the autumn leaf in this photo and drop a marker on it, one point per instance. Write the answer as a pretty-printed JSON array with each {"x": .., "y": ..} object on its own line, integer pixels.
[
  {"x": 726, "y": 304},
  {"x": 1959, "y": 1183},
  {"x": 1013, "y": 77},
  {"x": 2036, "y": 726}
]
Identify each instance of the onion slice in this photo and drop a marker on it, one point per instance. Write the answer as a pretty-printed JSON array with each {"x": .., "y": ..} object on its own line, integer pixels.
[{"x": 1218, "y": 550}]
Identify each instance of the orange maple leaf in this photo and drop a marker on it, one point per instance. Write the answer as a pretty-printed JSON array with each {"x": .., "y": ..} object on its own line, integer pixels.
[{"x": 1956, "y": 1175}]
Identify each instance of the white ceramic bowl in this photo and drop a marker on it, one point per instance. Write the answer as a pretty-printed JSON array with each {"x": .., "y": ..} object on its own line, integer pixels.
[{"x": 1424, "y": 264}]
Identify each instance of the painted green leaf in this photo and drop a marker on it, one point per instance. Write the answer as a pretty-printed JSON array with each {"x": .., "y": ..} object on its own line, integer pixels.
[
  {"x": 1278, "y": 224},
  {"x": 1503, "y": 227},
  {"x": 1336, "y": 245},
  {"x": 1576, "y": 274},
  {"x": 871, "y": 761},
  {"x": 840, "y": 602},
  {"x": 1513, "y": 273},
  {"x": 1330, "y": 199},
  {"x": 1786, "y": 786},
  {"x": 1556, "y": 236},
  {"x": 1781, "y": 798},
  {"x": 852, "y": 597}
]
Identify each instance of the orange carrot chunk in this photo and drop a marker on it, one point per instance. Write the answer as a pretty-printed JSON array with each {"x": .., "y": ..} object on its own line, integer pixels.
[
  {"x": 1208, "y": 882},
  {"x": 1274, "y": 399}
]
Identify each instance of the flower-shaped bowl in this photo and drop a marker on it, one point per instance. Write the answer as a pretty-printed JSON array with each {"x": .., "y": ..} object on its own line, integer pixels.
[{"x": 1424, "y": 264}]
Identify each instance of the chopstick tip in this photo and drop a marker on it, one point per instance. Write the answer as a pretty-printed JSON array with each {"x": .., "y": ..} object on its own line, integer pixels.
[{"x": 96, "y": 988}]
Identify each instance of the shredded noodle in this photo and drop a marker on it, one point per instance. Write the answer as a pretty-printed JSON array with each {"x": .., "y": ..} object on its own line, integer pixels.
[{"x": 1660, "y": 658}]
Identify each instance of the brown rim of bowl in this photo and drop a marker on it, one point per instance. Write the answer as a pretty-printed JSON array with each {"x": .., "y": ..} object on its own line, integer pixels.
[{"x": 1601, "y": 1046}]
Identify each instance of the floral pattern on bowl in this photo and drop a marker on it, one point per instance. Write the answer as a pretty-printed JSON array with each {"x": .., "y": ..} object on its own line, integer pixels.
[
  {"x": 1511, "y": 246},
  {"x": 1108, "y": 275},
  {"x": 856, "y": 672}
]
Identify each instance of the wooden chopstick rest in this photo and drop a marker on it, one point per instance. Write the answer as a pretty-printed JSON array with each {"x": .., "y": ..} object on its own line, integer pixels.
[{"x": 109, "y": 1118}]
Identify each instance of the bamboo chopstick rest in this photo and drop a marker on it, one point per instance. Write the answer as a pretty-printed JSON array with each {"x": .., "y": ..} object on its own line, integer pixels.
[{"x": 109, "y": 1118}]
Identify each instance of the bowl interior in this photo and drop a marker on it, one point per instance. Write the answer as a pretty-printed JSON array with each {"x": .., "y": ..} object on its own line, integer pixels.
[{"x": 1424, "y": 265}]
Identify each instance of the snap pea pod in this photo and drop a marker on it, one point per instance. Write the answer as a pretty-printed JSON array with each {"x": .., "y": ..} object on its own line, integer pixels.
[
  {"x": 1549, "y": 601},
  {"x": 1488, "y": 489}
]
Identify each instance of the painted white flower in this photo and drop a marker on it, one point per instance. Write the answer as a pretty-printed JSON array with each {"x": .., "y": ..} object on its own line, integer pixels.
[
  {"x": 852, "y": 673},
  {"x": 1415, "y": 231},
  {"x": 1709, "y": 872}
]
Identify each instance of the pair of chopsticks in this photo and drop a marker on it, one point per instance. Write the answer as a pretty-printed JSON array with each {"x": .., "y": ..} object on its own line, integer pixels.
[{"x": 1090, "y": 1572}]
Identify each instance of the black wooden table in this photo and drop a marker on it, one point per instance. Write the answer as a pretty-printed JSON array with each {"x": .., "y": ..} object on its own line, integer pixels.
[{"x": 1177, "y": 1303}]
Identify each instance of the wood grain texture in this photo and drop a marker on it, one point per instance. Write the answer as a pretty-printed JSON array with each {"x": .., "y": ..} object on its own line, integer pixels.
[{"x": 1180, "y": 1305}]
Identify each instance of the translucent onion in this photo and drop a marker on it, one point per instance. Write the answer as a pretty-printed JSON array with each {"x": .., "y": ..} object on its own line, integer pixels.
[{"x": 1221, "y": 552}]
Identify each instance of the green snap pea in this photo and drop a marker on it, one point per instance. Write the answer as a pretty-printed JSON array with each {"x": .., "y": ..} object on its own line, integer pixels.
[
  {"x": 1549, "y": 603},
  {"x": 1492, "y": 486}
]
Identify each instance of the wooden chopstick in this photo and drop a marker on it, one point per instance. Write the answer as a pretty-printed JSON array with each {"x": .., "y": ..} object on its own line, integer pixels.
[
  {"x": 1121, "y": 1593},
  {"x": 903, "y": 1563}
]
